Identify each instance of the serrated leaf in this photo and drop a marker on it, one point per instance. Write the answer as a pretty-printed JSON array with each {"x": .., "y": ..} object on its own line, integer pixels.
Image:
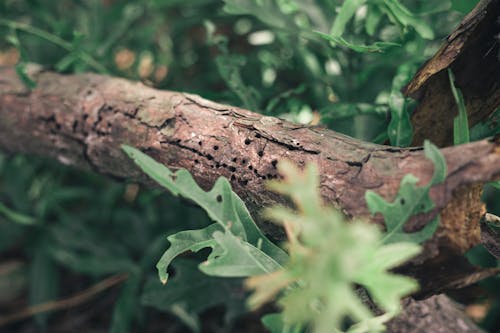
[
  {"x": 328, "y": 259},
  {"x": 386, "y": 288},
  {"x": 221, "y": 204},
  {"x": 410, "y": 200},
  {"x": 189, "y": 240}
]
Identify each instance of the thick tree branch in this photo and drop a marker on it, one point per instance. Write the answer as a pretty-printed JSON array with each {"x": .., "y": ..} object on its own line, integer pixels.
[{"x": 83, "y": 119}]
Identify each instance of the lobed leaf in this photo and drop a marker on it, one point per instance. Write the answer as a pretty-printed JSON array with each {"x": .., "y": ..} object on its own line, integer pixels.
[
  {"x": 410, "y": 200},
  {"x": 231, "y": 216}
]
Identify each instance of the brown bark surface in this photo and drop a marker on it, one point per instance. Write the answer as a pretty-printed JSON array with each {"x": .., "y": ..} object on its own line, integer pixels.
[
  {"x": 82, "y": 120},
  {"x": 471, "y": 51},
  {"x": 435, "y": 314}
]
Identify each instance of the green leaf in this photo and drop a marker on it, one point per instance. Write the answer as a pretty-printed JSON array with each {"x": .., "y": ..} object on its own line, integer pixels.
[
  {"x": 43, "y": 281},
  {"x": 221, "y": 204},
  {"x": 495, "y": 184},
  {"x": 189, "y": 240},
  {"x": 237, "y": 258},
  {"x": 400, "y": 131},
  {"x": 230, "y": 256},
  {"x": 463, "y": 6},
  {"x": 127, "y": 305},
  {"x": 373, "y": 18},
  {"x": 385, "y": 288},
  {"x": 460, "y": 123},
  {"x": 193, "y": 289},
  {"x": 489, "y": 127},
  {"x": 347, "y": 11},
  {"x": 267, "y": 11},
  {"x": 329, "y": 258},
  {"x": 274, "y": 323},
  {"x": 229, "y": 67},
  {"x": 410, "y": 200},
  {"x": 23, "y": 75},
  {"x": 407, "y": 19},
  {"x": 16, "y": 217},
  {"x": 434, "y": 154},
  {"x": 375, "y": 47}
]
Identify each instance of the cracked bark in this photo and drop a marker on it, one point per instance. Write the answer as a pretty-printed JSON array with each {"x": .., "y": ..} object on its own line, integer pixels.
[{"x": 82, "y": 120}]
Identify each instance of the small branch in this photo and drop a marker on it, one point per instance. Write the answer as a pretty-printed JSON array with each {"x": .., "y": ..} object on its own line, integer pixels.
[{"x": 77, "y": 299}]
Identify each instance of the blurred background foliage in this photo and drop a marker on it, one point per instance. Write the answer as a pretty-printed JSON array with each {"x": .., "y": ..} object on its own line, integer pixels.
[{"x": 339, "y": 64}]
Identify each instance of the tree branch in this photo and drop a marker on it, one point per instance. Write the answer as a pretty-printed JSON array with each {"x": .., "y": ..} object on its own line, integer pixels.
[{"x": 82, "y": 120}]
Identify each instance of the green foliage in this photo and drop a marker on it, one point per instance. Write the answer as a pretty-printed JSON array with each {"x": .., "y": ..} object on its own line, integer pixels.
[
  {"x": 487, "y": 128},
  {"x": 463, "y": 6},
  {"x": 399, "y": 130},
  {"x": 328, "y": 259},
  {"x": 346, "y": 59},
  {"x": 190, "y": 292},
  {"x": 239, "y": 248},
  {"x": 75, "y": 36},
  {"x": 460, "y": 123},
  {"x": 15, "y": 216},
  {"x": 320, "y": 244},
  {"x": 68, "y": 238},
  {"x": 410, "y": 200}
]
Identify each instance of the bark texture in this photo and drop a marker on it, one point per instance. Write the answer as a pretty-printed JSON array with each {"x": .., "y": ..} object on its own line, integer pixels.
[
  {"x": 82, "y": 120},
  {"x": 471, "y": 51},
  {"x": 437, "y": 314}
]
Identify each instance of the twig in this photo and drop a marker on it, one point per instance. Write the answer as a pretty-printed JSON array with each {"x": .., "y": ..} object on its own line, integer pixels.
[{"x": 72, "y": 301}]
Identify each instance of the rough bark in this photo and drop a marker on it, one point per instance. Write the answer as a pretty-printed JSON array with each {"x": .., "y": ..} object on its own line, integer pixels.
[
  {"x": 471, "y": 51},
  {"x": 437, "y": 314},
  {"x": 82, "y": 120}
]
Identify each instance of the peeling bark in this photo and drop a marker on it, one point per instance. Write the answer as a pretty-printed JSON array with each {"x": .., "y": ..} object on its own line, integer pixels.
[{"x": 471, "y": 51}]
